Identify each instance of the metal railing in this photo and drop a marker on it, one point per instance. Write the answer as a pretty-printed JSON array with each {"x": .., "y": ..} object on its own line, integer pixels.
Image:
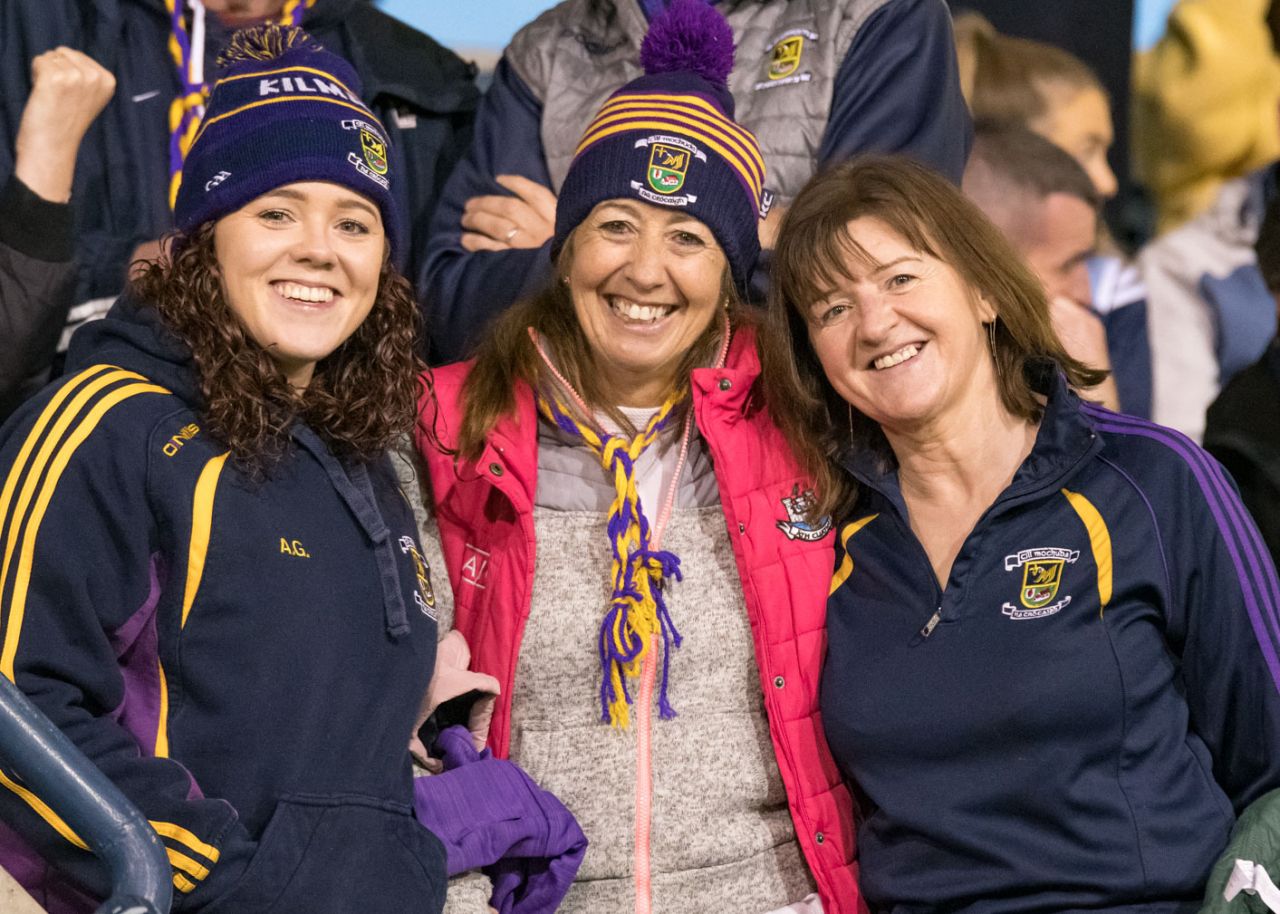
[{"x": 104, "y": 818}]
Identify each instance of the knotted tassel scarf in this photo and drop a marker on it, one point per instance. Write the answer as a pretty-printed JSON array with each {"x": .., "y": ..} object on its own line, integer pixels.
[{"x": 637, "y": 609}]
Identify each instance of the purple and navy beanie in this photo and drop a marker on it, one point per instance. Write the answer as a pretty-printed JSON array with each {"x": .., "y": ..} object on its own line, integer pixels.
[
  {"x": 668, "y": 138},
  {"x": 283, "y": 110}
]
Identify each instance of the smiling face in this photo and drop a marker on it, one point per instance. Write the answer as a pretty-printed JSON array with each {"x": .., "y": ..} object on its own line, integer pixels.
[
  {"x": 903, "y": 341},
  {"x": 646, "y": 283},
  {"x": 300, "y": 268}
]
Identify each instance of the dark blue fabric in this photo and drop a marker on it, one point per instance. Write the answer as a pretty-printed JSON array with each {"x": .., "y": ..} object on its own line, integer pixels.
[
  {"x": 1129, "y": 347},
  {"x": 1042, "y": 751},
  {"x": 898, "y": 90},
  {"x": 1244, "y": 314},
  {"x": 463, "y": 291}
]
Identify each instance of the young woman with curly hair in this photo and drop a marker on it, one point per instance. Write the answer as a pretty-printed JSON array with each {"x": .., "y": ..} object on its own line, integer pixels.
[{"x": 211, "y": 581}]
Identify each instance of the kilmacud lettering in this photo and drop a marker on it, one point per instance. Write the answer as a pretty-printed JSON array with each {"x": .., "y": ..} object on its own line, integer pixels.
[{"x": 302, "y": 85}]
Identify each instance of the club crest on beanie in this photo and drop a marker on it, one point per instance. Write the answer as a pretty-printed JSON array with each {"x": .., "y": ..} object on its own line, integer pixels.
[
  {"x": 668, "y": 138},
  {"x": 283, "y": 109}
]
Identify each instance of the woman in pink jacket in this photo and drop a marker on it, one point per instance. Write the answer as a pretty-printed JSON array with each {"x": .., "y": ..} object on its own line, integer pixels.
[{"x": 622, "y": 522}]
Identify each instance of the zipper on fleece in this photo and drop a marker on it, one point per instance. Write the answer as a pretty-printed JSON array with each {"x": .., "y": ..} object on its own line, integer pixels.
[{"x": 644, "y": 780}]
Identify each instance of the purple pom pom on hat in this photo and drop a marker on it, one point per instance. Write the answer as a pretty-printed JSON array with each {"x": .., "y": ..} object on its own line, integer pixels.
[{"x": 668, "y": 138}]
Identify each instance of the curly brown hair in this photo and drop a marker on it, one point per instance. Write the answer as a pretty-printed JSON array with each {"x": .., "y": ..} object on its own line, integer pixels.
[{"x": 362, "y": 398}]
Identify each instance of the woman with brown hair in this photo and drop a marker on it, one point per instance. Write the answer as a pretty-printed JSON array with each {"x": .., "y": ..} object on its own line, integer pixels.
[
  {"x": 211, "y": 581},
  {"x": 1051, "y": 672}
]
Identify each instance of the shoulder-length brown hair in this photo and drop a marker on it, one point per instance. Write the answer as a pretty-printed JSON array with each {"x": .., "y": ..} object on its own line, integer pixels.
[
  {"x": 361, "y": 399},
  {"x": 507, "y": 356},
  {"x": 813, "y": 255}
]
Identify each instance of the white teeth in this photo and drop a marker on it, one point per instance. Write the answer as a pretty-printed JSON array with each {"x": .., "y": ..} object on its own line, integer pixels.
[
  {"x": 895, "y": 358},
  {"x": 632, "y": 311},
  {"x": 299, "y": 292}
]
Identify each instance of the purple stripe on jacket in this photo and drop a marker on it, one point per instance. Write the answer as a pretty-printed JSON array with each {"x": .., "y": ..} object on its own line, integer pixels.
[{"x": 1252, "y": 562}]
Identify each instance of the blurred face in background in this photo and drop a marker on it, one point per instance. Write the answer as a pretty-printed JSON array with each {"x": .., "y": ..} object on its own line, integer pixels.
[
  {"x": 1057, "y": 239},
  {"x": 239, "y": 11},
  {"x": 1079, "y": 121}
]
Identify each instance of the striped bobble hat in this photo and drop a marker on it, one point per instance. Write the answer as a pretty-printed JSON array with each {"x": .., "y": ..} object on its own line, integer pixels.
[
  {"x": 668, "y": 138},
  {"x": 283, "y": 110}
]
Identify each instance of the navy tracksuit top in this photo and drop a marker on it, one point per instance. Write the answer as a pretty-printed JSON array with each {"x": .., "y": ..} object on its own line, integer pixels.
[{"x": 1073, "y": 723}]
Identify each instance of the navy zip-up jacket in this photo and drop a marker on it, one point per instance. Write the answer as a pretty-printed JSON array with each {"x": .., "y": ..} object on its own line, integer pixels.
[
  {"x": 243, "y": 658},
  {"x": 1074, "y": 722}
]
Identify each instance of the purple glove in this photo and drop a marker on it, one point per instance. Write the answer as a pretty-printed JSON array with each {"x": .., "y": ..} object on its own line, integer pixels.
[{"x": 488, "y": 813}]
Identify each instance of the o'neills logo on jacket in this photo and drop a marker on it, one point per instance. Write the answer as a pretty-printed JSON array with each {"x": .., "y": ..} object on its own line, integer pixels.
[{"x": 1041, "y": 577}]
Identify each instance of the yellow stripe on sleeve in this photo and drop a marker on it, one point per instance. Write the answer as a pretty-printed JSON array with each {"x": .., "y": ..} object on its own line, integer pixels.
[
  {"x": 846, "y": 566},
  {"x": 178, "y": 833},
  {"x": 22, "y": 576},
  {"x": 16, "y": 472},
  {"x": 180, "y": 861},
  {"x": 182, "y": 883},
  {"x": 43, "y": 811},
  {"x": 30, "y": 482},
  {"x": 201, "y": 522},
  {"x": 162, "y": 725},
  {"x": 1099, "y": 542}
]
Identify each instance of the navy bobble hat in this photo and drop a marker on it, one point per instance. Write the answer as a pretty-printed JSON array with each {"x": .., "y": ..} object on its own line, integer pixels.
[
  {"x": 668, "y": 138},
  {"x": 283, "y": 109}
]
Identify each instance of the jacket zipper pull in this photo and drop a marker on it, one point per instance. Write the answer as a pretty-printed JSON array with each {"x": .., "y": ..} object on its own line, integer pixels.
[{"x": 932, "y": 623}]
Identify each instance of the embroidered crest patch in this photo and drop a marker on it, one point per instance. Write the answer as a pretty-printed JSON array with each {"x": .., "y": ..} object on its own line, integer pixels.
[
  {"x": 375, "y": 151},
  {"x": 425, "y": 595},
  {"x": 785, "y": 57},
  {"x": 1042, "y": 570},
  {"x": 670, "y": 158},
  {"x": 795, "y": 526},
  {"x": 667, "y": 168}
]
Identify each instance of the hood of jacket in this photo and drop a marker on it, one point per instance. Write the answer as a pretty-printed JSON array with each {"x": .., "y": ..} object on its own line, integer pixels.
[{"x": 132, "y": 336}]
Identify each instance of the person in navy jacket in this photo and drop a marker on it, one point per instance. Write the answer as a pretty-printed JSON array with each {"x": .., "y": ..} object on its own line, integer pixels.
[
  {"x": 212, "y": 583},
  {"x": 1051, "y": 674}
]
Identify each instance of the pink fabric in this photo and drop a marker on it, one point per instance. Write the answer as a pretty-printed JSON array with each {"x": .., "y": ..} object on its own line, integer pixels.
[
  {"x": 485, "y": 513},
  {"x": 453, "y": 677}
]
